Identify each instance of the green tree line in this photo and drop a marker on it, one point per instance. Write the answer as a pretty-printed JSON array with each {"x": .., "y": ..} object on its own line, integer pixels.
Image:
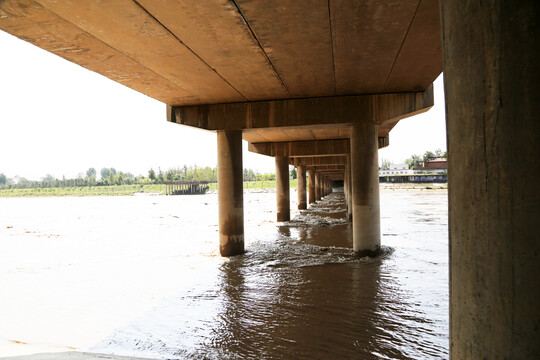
[{"x": 110, "y": 176}]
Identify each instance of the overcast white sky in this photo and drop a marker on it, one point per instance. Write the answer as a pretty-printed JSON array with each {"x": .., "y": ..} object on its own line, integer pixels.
[{"x": 61, "y": 119}]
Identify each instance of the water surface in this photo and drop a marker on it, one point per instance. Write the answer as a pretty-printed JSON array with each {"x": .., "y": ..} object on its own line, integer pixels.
[{"x": 142, "y": 276}]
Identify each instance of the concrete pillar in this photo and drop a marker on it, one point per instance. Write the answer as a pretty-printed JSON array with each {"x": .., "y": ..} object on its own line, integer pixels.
[
  {"x": 317, "y": 186},
  {"x": 365, "y": 189},
  {"x": 302, "y": 203},
  {"x": 349, "y": 188},
  {"x": 282, "y": 188},
  {"x": 230, "y": 192},
  {"x": 345, "y": 189},
  {"x": 490, "y": 53},
  {"x": 311, "y": 185}
]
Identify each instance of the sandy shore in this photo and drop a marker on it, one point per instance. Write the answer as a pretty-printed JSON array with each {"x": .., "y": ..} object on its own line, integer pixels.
[{"x": 72, "y": 355}]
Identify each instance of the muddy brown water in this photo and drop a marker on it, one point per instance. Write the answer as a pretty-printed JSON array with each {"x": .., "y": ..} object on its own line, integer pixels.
[{"x": 141, "y": 276}]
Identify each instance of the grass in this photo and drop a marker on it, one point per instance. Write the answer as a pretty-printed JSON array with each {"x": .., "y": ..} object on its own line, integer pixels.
[{"x": 118, "y": 190}]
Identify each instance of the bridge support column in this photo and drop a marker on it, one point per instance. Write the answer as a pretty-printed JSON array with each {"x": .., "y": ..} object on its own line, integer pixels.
[
  {"x": 230, "y": 192},
  {"x": 365, "y": 189},
  {"x": 349, "y": 187},
  {"x": 302, "y": 203},
  {"x": 491, "y": 88},
  {"x": 282, "y": 188},
  {"x": 317, "y": 187},
  {"x": 311, "y": 185}
]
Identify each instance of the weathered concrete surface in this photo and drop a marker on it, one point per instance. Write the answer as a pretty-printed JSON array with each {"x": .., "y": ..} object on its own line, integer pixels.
[
  {"x": 311, "y": 186},
  {"x": 319, "y": 160},
  {"x": 230, "y": 193},
  {"x": 337, "y": 110},
  {"x": 282, "y": 189},
  {"x": 302, "y": 193},
  {"x": 184, "y": 53},
  {"x": 492, "y": 87},
  {"x": 309, "y": 149},
  {"x": 72, "y": 355},
  {"x": 365, "y": 189}
]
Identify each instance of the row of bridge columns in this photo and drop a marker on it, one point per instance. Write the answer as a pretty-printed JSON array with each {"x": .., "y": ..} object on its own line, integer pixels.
[
  {"x": 491, "y": 88},
  {"x": 361, "y": 186}
]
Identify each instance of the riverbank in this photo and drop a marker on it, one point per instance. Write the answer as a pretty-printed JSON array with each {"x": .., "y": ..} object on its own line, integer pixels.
[
  {"x": 159, "y": 189},
  {"x": 120, "y": 190}
]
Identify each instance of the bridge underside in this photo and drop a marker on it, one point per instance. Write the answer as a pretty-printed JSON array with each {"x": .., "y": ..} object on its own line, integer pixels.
[{"x": 319, "y": 84}]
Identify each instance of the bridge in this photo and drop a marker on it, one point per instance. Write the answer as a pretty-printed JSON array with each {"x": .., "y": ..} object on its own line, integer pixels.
[{"x": 320, "y": 85}]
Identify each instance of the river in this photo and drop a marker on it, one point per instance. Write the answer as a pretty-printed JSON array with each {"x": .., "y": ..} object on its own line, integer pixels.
[{"x": 141, "y": 276}]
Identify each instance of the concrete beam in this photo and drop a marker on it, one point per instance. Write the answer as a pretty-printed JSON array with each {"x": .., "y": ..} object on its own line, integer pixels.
[
  {"x": 380, "y": 109},
  {"x": 320, "y": 168},
  {"x": 314, "y": 148},
  {"x": 315, "y": 161}
]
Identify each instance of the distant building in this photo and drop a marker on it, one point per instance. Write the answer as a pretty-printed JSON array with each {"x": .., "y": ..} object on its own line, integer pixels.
[
  {"x": 435, "y": 164},
  {"x": 399, "y": 167},
  {"x": 432, "y": 171}
]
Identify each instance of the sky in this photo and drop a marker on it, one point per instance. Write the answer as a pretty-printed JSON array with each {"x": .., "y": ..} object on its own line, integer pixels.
[{"x": 58, "y": 118}]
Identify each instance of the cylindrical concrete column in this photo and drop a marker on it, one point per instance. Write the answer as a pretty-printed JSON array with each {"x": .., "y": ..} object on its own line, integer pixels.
[
  {"x": 311, "y": 185},
  {"x": 325, "y": 183},
  {"x": 302, "y": 197},
  {"x": 282, "y": 188},
  {"x": 230, "y": 193},
  {"x": 365, "y": 188},
  {"x": 491, "y": 85},
  {"x": 317, "y": 186},
  {"x": 349, "y": 188}
]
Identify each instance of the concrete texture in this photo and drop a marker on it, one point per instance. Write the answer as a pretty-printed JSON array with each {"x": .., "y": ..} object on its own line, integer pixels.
[
  {"x": 365, "y": 189},
  {"x": 302, "y": 193},
  {"x": 311, "y": 186},
  {"x": 184, "y": 53},
  {"x": 491, "y": 88},
  {"x": 282, "y": 189},
  {"x": 230, "y": 193}
]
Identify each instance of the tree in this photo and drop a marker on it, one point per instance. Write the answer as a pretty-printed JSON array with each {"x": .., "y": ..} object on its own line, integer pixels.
[
  {"x": 414, "y": 161},
  {"x": 385, "y": 165},
  {"x": 3, "y": 179},
  {"x": 294, "y": 173},
  {"x": 105, "y": 172},
  {"x": 428, "y": 155},
  {"x": 48, "y": 177},
  {"x": 120, "y": 178},
  {"x": 152, "y": 174},
  {"x": 91, "y": 172},
  {"x": 438, "y": 153},
  {"x": 161, "y": 178}
]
